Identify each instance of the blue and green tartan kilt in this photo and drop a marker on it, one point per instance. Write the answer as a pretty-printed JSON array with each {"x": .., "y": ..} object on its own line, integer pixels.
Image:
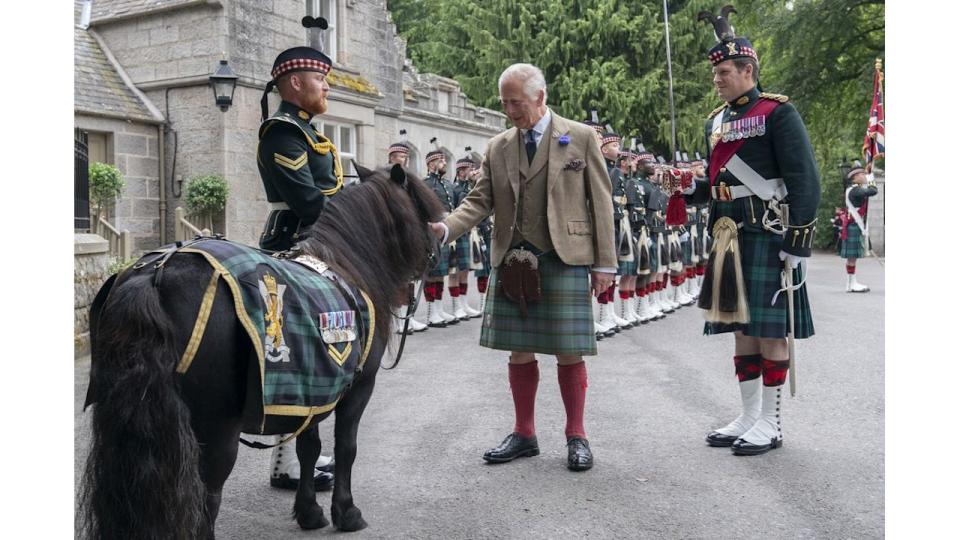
[
  {"x": 654, "y": 253},
  {"x": 560, "y": 323},
  {"x": 443, "y": 262},
  {"x": 486, "y": 256},
  {"x": 628, "y": 268},
  {"x": 687, "y": 247},
  {"x": 463, "y": 253},
  {"x": 852, "y": 247},
  {"x": 760, "y": 258}
]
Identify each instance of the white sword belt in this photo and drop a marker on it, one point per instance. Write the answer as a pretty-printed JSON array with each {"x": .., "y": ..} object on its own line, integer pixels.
[{"x": 279, "y": 206}]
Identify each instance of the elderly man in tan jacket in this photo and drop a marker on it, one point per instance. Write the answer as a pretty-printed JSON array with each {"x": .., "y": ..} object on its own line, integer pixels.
[{"x": 546, "y": 184}]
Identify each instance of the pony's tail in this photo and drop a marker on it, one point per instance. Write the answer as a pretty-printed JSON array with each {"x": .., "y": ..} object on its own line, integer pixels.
[{"x": 142, "y": 478}]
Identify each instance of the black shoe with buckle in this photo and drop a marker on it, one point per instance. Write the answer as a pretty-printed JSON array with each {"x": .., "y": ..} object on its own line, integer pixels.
[
  {"x": 742, "y": 448},
  {"x": 514, "y": 446},
  {"x": 579, "y": 456},
  {"x": 715, "y": 438}
]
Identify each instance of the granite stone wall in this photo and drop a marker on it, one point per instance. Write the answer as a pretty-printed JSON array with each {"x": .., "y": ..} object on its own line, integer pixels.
[
  {"x": 91, "y": 260},
  {"x": 135, "y": 152}
]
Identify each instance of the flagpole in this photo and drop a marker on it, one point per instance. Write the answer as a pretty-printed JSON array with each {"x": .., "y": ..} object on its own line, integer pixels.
[{"x": 673, "y": 120}]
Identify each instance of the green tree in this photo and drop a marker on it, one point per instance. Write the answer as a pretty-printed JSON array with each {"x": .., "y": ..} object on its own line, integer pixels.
[
  {"x": 610, "y": 55},
  {"x": 206, "y": 197},
  {"x": 106, "y": 184}
]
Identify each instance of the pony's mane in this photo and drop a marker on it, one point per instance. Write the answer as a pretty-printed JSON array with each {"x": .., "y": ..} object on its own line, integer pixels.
[{"x": 374, "y": 235}]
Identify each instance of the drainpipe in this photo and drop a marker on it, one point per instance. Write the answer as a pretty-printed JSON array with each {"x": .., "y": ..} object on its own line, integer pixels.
[{"x": 161, "y": 128}]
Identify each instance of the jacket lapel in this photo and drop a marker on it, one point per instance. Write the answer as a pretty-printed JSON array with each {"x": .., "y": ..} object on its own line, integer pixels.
[
  {"x": 511, "y": 154},
  {"x": 559, "y": 126}
]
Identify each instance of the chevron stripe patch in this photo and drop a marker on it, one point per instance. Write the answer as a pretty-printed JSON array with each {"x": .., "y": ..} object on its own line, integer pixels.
[{"x": 292, "y": 164}]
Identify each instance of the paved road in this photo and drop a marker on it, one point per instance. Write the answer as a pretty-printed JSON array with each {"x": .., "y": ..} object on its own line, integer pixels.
[{"x": 654, "y": 393}]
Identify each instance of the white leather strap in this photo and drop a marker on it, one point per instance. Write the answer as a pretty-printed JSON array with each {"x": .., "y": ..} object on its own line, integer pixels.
[{"x": 765, "y": 188}]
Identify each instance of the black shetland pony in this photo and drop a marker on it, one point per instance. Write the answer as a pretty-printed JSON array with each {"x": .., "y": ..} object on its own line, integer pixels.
[{"x": 163, "y": 444}]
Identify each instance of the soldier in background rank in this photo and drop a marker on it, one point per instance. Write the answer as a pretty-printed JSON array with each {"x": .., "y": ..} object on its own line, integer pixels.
[
  {"x": 760, "y": 159},
  {"x": 656, "y": 216},
  {"x": 465, "y": 245},
  {"x": 433, "y": 291},
  {"x": 300, "y": 169},
  {"x": 854, "y": 232},
  {"x": 399, "y": 154},
  {"x": 610, "y": 148},
  {"x": 649, "y": 261},
  {"x": 628, "y": 264}
]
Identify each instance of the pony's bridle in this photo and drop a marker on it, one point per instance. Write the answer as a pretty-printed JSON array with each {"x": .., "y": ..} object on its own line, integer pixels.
[{"x": 414, "y": 301}]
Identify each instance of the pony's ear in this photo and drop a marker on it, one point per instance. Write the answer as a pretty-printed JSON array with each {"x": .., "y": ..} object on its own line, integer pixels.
[
  {"x": 397, "y": 174},
  {"x": 362, "y": 172}
]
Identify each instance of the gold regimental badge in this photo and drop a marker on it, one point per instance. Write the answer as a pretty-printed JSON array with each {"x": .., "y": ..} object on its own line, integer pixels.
[{"x": 275, "y": 349}]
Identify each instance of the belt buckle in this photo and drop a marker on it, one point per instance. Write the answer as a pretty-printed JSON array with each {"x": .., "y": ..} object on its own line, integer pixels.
[{"x": 724, "y": 193}]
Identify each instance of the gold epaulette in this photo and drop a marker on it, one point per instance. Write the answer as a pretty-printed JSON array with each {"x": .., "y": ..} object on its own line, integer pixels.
[
  {"x": 776, "y": 97},
  {"x": 717, "y": 110}
]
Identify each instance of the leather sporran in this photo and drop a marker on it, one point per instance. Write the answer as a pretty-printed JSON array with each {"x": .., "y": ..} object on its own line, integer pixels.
[
  {"x": 723, "y": 294},
  {"x": 519, "y": 278}
]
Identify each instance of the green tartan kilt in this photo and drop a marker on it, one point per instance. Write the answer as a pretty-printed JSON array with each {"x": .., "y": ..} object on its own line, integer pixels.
[
  {"x": 852, "y": 247},
  {"x": 443, "y": 262},
  {"x": 463, "y": 253},
  {"x": 628, "y": 268},
  {"x": 560, "y": 323},
  {"x": 760, "y": 257},
  {"x": 687, "y": 248},
  {"x": 486, "y": 256},
  {"x": 654, "y": 253}
]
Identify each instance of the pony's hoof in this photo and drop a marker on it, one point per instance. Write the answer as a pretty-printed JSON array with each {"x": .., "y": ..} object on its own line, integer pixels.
[
  {"x": 312, "y": 518},
  {"x": 350, "y": 521}
]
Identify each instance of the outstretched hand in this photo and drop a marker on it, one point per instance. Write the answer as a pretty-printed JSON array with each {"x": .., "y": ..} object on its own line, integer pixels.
[
  {"x": 438, "y": 230},
  {"x": 601, "y": 281}
]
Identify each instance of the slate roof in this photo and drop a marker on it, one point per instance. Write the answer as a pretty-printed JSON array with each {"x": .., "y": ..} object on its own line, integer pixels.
[
  {"x": 97, "y": 87},
  {"x": 121, "y": 9}
]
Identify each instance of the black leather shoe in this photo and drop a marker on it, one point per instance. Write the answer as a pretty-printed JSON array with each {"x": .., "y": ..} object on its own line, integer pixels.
[
  {"x": 329, "y": 467},
  {"x": 715, "y": 438},
  {"x": 579, "y": 456},
  {"x": 322, "y": 481},
  {"x": 742, "y": 448},
  {"x": 511, "y": 448}
]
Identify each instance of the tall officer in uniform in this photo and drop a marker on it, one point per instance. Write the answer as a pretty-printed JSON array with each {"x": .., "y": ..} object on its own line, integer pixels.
[
  {"x": 300, "y": 169},
  {"x": 854, "y": 233},
  {"x": 760, "y": 159},
  {"x": 545, "y": 182},
  {"x": 433, "y": 291}
]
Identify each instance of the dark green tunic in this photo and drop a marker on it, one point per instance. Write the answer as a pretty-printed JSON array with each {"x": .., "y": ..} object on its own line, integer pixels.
[
  {"x": 444, "y": 190},
  {"x": 783, "y": 151},
  {"x": 300, "y": 168}
]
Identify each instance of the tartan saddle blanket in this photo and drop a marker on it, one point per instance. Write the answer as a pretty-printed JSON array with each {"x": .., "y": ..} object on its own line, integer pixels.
[{"x": 311, "y": 330}]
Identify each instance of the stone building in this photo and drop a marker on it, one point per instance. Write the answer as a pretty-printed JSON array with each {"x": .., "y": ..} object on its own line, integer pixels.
[
  {"x": 162, "y": 52},
  {"x": 144, "y": 102}
]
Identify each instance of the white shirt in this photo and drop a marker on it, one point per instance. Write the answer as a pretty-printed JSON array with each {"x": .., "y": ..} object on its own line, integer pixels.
[{"x": 538, "y": 129}]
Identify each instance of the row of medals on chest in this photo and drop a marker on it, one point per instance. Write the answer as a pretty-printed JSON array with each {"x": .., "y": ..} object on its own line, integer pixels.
[{"x": 744, "y": 128}]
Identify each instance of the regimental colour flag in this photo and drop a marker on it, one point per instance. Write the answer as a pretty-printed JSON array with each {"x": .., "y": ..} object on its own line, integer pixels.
[{"x": 873, "y": 141}]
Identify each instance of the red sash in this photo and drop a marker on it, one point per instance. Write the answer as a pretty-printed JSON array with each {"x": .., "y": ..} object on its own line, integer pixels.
[{"x": 723, "y": 151}]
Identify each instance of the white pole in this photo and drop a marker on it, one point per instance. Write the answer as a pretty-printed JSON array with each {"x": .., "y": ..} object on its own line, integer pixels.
[{"x": 673, "y": 120}]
